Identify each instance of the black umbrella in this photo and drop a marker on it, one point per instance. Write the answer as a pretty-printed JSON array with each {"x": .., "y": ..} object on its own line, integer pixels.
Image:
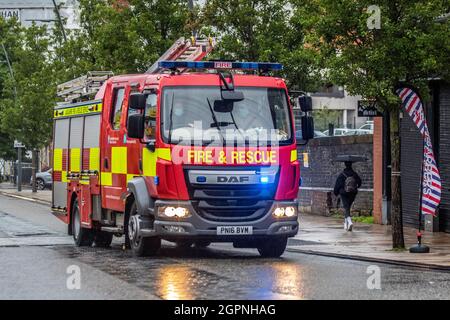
[{"x": 350, "y": 158}]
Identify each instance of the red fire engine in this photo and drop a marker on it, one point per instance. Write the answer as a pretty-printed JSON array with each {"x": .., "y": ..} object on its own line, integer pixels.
[{"x": 191, "y": 152}]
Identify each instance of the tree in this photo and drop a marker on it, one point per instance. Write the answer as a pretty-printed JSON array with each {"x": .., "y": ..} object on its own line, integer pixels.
[
  {"x": 261, "y": 30},
  {"x": 409, "y": 47},
  {"x": 28, "y": 98},
  {"x": 124, "y": 36}
]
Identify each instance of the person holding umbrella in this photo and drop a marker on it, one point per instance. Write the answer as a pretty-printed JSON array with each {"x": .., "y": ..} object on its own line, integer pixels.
[{"x": 347, "y": 184}]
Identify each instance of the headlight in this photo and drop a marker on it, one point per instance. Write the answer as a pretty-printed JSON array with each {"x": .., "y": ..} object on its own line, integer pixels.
[
  {"x": 289, "y": 211},
  {"x": 278, "y": 212},
  {"x": 170, "y": 212},
  {"x": 285, "y": 212}
]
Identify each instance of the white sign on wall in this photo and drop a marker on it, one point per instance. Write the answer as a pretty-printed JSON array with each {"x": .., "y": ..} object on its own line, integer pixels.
[{"x": 10, "y": 13}]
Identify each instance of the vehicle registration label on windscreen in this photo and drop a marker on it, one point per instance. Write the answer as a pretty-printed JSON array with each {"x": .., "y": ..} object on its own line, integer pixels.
[{"x": 234, "y": 230}]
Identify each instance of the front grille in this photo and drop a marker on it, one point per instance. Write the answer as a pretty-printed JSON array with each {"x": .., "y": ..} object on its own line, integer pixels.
[{"x": 231, "y": 203}]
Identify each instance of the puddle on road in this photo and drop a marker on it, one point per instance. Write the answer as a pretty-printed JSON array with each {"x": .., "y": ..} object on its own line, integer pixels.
[{"x": 197, "y": 273}]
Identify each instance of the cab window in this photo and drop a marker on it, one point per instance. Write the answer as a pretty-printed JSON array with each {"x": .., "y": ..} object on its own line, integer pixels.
[
  {"x": 118, "y": 96},
  {"x": 150, "y": 116}
]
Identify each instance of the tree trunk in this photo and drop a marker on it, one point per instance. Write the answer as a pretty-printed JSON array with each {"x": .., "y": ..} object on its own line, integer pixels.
[
  {"x": 33, "y": 169},
  {"x": 398, "y": 241}
]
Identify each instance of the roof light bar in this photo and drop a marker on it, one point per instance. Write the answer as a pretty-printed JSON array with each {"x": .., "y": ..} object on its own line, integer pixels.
[{"x": 220, "y": 65}]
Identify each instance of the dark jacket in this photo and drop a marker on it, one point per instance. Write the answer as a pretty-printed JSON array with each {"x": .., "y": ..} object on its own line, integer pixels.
[{"x": 340, "y": 181}]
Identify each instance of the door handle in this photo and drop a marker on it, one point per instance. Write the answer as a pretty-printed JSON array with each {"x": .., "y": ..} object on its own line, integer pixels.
[{"x": 105, "y": 163}]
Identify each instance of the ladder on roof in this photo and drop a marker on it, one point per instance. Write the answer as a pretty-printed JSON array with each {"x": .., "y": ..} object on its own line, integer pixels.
[
  {"x": 83, "y": 88},
  {"x": 192, "y": 49}
]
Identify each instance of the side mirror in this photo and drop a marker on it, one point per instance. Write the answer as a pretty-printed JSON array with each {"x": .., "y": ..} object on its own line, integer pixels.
[
  {"x": 135, "y": 126},
  {"x": 307, "y": 127},
  {"x": 232, "y": 95},
  {"x": 305, "y": 103},
  {"x": 137, "y": 101}
]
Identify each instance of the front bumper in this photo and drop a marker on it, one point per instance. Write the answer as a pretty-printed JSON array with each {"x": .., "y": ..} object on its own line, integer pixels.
[{"x": 197, "y": 227}]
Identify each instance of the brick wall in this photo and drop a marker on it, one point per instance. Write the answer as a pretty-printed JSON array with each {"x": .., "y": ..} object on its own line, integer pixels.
[{"x": 319, "y": 173}]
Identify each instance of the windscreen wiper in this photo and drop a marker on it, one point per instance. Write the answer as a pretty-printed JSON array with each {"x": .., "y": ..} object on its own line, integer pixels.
[{"x": 170, "y": 119}]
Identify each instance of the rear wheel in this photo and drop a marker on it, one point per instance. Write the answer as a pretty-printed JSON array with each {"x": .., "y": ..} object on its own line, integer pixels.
[
  {"x": 141, "y": 246},
  {"x": 83, "y": 237},
  {"x": 272, "y": 248},
  {"x": 103, "y": 239}
]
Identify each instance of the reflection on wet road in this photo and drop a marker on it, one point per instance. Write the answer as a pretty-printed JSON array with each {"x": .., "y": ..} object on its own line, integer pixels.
[{"x": 198, "y": 273}]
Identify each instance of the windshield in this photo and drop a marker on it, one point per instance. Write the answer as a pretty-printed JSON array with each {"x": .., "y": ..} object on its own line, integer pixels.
[{"x": 199, "y": 115}]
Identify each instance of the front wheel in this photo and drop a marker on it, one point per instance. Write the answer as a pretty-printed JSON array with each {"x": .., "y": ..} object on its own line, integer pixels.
[
  {"x": 141, "y": 246},
  {"x": 272, "y": 248},
  {"x": 83, "y": 237}
]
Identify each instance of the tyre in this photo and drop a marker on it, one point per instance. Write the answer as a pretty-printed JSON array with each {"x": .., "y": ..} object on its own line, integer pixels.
[
  {"x": 141, "y": 246},
  {"x": 83, "y": 237},
  {"x": 40, "y": 184},
  {"x": 103, "y": 239},
  {"x": 184, "y": 244},
  {"x": 272, "y": 248},
  {"x": 202, "y": 243}
]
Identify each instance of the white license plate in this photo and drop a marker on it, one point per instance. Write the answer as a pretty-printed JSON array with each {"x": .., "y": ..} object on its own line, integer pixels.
[{"x": 234, "y": 230}]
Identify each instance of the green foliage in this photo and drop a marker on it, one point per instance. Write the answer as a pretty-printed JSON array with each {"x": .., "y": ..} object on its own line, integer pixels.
[
  {"x": 324, "y": 116},
  {"x": 261, "y": 30},
  {"x": 29, "y": 97},
  {"x": 410, "y": 46}
]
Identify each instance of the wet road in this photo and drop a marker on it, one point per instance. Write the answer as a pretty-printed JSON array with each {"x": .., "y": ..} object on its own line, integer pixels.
[{"x": 33, "y": 267}]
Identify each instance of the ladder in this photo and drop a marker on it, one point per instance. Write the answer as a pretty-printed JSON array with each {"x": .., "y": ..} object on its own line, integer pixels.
[
  {"x": 192, "y": 49},
  {"x": 83, "y": 88}
]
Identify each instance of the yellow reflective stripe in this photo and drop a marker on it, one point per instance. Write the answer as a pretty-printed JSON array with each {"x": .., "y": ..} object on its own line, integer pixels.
[
  {"x": 148, "y": 163},
  {"x": 57, "y": 159},
  {"x": 78, "y": 110},
  {"x": 94, "y": 159},
  {"x": 64, "y": 176},
  {"x": 106, "y": 179},
  {"x": 294, "y": 156},
  {"x": 164, "y": 153},
  {"x": 119, "y": 160},
  {"x": 149, "y": 160},
  {"x": 84, "y": 181},
  {"x": 75, "y": 160},
  {"x": 131, "y": 176}
]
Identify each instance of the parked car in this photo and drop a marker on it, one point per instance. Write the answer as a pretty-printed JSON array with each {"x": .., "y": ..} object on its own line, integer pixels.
[
  {"x": 348, "y": 132},
  {"x": 339, "y": 132},
  {"x": 367, "y": 126},
  {"x": 317, "y": 134},
  {"x": 43, "y": 179}
]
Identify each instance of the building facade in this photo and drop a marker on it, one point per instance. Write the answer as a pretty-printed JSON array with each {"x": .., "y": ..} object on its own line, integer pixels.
[{"x": 41, "y": 12}]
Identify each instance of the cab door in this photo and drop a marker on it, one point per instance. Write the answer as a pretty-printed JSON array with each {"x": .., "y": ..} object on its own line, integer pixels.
[{"x": 114, "y": 159}]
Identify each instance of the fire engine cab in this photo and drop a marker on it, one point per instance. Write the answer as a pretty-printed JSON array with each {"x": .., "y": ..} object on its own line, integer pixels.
[{"x": 193, "y": 152}]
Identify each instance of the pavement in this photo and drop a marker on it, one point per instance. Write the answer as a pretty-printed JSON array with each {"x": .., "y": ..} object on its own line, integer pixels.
[
  {"x": 42, "y": 196},
  {"x": 325, "y": 236},
  {"x": 368, "y": 242}
]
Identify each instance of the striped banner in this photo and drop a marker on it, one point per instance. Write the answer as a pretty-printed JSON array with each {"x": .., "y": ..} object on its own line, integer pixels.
[{"x": 431, "y": 187}]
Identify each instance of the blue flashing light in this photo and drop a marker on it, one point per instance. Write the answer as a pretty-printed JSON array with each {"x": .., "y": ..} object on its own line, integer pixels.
[
  {"x": 201, "y": 179},
  {"x": 156, "y": 180},
  {"x": 220, "y": 65},
  {"x": 264, "y": 179}
]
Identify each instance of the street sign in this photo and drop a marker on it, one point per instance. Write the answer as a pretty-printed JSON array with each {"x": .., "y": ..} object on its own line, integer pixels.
[
  {"x": 10, "y": 13},
  {"x": 18, "y": 144},
  {"x": 368, "y": 109}
]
